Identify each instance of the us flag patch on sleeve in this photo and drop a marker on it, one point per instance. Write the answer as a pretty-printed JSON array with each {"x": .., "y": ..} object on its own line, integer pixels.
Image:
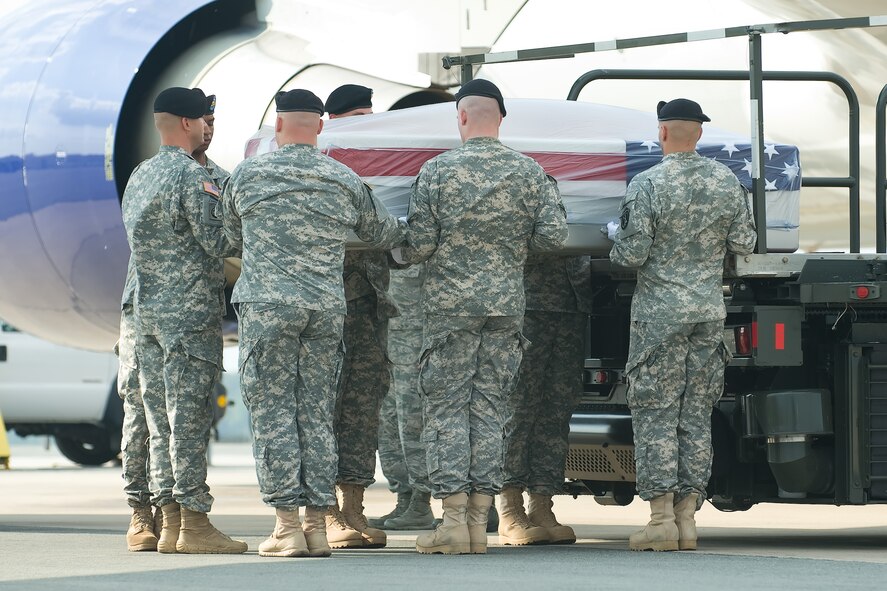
[{"x": 211, "y": 188}]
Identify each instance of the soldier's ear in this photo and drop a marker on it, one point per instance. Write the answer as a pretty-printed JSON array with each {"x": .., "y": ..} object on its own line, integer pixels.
[{"x": 319, "y": 126}]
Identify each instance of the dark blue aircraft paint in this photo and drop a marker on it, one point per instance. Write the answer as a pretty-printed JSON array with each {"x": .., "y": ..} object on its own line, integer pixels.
[{"x": 65, "y": 69}]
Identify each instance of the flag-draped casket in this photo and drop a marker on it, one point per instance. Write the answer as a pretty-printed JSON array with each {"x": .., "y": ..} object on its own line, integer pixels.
[{"x": 592, "y": 150}]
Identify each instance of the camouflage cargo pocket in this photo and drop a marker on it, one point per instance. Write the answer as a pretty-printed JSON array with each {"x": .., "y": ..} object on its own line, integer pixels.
[
  {"x": 513, "y": 363},
  {"x": 433, "y": 375},
  {"x": 720, "y": 359}
]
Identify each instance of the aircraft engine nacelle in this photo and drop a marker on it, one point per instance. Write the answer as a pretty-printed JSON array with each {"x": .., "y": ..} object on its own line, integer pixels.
[
  {"x": 70, "y": 73},
  {"x": 77, "y": 83}
]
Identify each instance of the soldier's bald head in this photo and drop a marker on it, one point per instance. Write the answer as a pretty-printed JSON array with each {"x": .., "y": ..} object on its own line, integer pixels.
[
  {"x": 166, "y": 121},
  {"x": 298, "y": 127},
  {"x": 478, "y": 116},
  {"x": 679, "y": 135}
]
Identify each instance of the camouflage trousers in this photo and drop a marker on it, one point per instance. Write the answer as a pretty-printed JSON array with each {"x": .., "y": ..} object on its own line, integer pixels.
[
  {"x": 539, "y": 410},
  {"x": 178, "y": 373},
  {"x": 363, "y": 385},
  {"x": 405, "y": 453},
  {"x": 676, "y": 375},
  {"x": 289, "y": 365},
  {"x": 391, "y": 459},
  {"x": 467, "y": 368},
  {"x": 134, "y": 440}
]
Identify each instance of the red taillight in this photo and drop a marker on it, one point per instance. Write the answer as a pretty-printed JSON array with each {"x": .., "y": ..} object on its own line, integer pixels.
[
  {"x": 862, "y": 292},
  {"x": 600, "y": 376},
  {"x": 742, "y": 336}
]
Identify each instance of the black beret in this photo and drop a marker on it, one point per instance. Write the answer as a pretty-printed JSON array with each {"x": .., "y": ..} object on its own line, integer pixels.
[
  {"x": 184, "y": 102},
  {"x": 298, "y": 100},
  {"x": 481, "y": 87},
  {"x": 210, "y": 105},
  {"x": 349, "y": 97},
  {"x": 680, "y": 109}
]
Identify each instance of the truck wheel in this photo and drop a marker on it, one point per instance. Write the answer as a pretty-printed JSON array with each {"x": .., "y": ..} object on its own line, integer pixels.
[{"x": 92, "y": 449}]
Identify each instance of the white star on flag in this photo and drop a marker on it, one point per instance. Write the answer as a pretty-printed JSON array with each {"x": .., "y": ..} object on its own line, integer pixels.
[
  {"x": 770, "y": 151},
  {"x": 791, "y": 170},
  {"x": 769, "y": 185},
  {"x": 729, "y": 148},
  {"x": 747, "y": 167},
  {"x": 649, "y": 144}
]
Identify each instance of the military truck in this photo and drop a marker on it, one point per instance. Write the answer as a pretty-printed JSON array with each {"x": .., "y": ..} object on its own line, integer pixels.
[{"x": 803, "y": 416}]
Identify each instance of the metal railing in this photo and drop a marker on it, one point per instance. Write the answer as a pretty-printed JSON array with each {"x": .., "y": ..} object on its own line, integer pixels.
[
  {"x": 851, "y": 181},
  {"x": 755, "y": 77},
  {"x": 881, "y": 172}
]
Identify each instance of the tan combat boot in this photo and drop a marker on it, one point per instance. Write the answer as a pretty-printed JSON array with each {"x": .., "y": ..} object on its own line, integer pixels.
[
  {"x": 684, "y": 511},
  {"x": 403, "y": 501},
  {"x": 417, "y": 516},
  {"x": 198, "y": 536},
  {"x": 451, "y": 536},
  {"x": 287, "y": 539},
  {"x": 661, "y": 533},
  {"x": 539, "y": 513},
  {"x": 315, "y": 531},
  {"x": 171, "y": 523},
  {"x": 140, "y": 536},
  {"x": 515, "y": 528},
  {"x": 338, "y": 533},
  {"x": 158, "y": 522},
  {"x": 352, "y": 509},
  {"x": 478, "y": 512}
]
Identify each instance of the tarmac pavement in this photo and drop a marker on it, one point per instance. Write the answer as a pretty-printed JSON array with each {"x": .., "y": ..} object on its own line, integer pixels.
[{"x": 62, "y": 527}]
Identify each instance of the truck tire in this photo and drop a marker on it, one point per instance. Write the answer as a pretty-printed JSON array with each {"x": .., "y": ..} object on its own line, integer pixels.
[{"x": 92, "y": 448}]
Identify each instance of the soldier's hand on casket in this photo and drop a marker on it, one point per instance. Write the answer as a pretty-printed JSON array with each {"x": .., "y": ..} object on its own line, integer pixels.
[{"x": 612, "y": 228}]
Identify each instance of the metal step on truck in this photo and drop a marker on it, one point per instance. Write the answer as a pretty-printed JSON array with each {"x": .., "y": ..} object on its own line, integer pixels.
[{"x": 803, "y": 415}]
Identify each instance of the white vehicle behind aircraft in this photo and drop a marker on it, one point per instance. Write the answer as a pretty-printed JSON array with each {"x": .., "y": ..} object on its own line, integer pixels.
[{"x": 48, "y": 389}]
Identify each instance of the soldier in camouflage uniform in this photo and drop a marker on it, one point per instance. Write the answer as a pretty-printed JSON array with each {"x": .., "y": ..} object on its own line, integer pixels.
[
  {"x": 558, "y": 292},
  {"x": 474, "y": 213},
  {"x": 365, "y": 373},
  {"x": 141, "y": 534},
  {"x": 391, "y": 457},
  {"x": 678, "y": 221},
  {"x": 405, "y": 414},
  {"x": 218, "y": 174},
  {"x": 177, "y": 247},
  {"x": 144, "y": 528},
  {"x": 291, "y": 210}
]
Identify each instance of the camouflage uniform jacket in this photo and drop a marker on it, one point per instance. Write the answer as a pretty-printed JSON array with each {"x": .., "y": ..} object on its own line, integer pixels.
[
  {"x": 218, "y": 174},
  {"x": 291, "y": 210},
  {"x": 175, "y": 233},
  {"x": 679, "y": 219},
  {"x": 366, "y": 272},
  {"x": 129, "y": 288},
  {"x": 557, "y": 283},
  {"x": 475, "y": 211}
]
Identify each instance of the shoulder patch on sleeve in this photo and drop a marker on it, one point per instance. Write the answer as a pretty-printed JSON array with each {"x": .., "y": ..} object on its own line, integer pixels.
[{"x": 211, "y": 213}]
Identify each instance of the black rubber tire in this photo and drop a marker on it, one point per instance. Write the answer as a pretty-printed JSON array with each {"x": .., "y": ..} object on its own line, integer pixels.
[{"x": 93, "y": 449}]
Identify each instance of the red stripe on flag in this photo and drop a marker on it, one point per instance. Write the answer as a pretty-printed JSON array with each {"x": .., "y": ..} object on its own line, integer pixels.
[
  {"x": 780, "y": 336},
  {"x": 564, "y": 166}
]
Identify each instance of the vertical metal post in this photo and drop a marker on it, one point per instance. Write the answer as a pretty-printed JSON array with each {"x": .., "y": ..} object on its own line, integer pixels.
[
  {"x": 881, "y": 173},
  {"x": 467, "y": 73},
  {"x": 756, "y": 91}
]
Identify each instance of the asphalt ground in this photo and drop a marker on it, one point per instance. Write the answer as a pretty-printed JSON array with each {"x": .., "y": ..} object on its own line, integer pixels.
[{"x": 62, "y": 527}]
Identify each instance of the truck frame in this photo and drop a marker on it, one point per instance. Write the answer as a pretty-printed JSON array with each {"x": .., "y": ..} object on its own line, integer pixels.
[{"x": 803, "y": 415}]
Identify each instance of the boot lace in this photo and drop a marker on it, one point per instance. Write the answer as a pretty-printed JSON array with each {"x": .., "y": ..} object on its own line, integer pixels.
[
  {"x": 337, "y": 518},
  {"x": 143, "y": 519}
]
